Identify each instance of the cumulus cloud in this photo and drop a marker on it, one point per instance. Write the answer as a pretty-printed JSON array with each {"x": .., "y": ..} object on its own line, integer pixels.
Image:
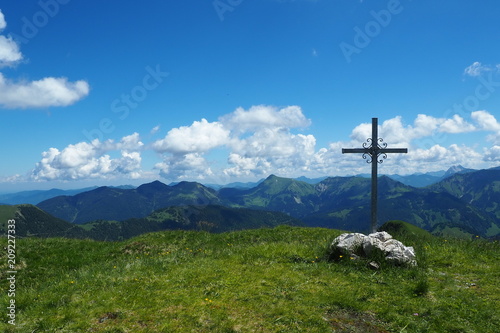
[
  {"x": 395, "y": 131},
  {"x": 41, "y": 93},
  {"x": 200, "y": 137},
  {"x": 129, "y": 143},
  {"x": 492, "y": 154},
  {"x": 456, "y": 124},
  {"x": 86, "y": 160},
  {"x": 9, "y": 50},
  {"x": 441, "y": 158},
  {"x": 188, "y": 166},
  {"x": 271, "y": 146},
  {"x": 487, "y": 122},
  {"x": 269, "y": 150},
  {"x": 259, "y": 140},
  {"x": 265, "y": 116}
]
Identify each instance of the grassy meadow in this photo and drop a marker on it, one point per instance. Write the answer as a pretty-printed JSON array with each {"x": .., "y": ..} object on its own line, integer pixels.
[{"x": 264, "y": 280}]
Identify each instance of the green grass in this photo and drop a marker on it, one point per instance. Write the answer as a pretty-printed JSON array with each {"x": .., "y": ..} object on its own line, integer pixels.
[
  {"x": 6, "y": 213},
  {"x": 266, "y": 280}
]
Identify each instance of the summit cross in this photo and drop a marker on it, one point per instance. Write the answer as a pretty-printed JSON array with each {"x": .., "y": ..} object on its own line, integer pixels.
[{"x": 374, "y": 147}]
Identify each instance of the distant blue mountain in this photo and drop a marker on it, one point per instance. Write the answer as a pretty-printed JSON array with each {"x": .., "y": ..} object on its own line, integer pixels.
[
  {"x": 430, "y": 178},
  {"x": 36, "y": 196},
  {"x": 232, "y": 185}
]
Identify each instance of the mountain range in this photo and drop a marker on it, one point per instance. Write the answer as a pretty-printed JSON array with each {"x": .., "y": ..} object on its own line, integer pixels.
[
  {"x": 465, "y": 203},
  {"x": 415, "y": 180},
  {"x": 461, "y": 204}
]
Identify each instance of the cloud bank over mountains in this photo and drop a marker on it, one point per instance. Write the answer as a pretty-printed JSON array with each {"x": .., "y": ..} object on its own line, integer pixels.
[
  {"x": 46, "y": 92},
  {"x": 268, "y": 139}
]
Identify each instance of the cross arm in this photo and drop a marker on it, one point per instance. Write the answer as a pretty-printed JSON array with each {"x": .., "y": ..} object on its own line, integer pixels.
[
  {"x": 393, "y": 150},
  {"x": 355, "y": 150}
]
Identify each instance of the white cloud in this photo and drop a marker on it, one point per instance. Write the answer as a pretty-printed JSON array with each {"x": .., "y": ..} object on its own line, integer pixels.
[
  {"x": 41, "y": 93},
  {"x": 9, "y": 50},
  {"x": 75, "y": 155},
  {"x": 200, "y": 137},
  {"x": 271, "y": 147},
  {"x": 263, "y": 116},
  {"x": 90, "y": 160},
  {"x": 3, "y": 24},
  {"x": 475, "y": 69},
  {"x": 154, "y": 130},
  {"x": 182, "y": 149},
  {"x": 437, "y": 158},
  {"x": 188, "y": 166},
  {"x": 492, "y": 154},
  {"x": 478, "y": 69},
  {"x": 394, "y": 131},
  {"x": 433, "y": 154},
  {"x": 486, "y": 121},
  {"x": 130, "y": 143},
  {"x": 456, "y": 124},
  {"x": 259, "y": 140},
  {"x": 247, "y": 166}
]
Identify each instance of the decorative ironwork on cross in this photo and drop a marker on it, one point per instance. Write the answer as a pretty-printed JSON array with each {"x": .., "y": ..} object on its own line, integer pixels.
[{"x": 374, "y": 151}]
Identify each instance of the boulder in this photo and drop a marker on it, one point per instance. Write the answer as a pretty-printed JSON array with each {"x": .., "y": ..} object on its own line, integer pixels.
[
  {"x": 366, "y": 246},
  {"x": 349, "y": 243}
]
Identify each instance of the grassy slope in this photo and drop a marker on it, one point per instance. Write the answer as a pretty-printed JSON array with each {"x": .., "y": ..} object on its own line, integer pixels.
[
  {"x": 6, "y": 213},
  {"x": 266, "y": 280}
]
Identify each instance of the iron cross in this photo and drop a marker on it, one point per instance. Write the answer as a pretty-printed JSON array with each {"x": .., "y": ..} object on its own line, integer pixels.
[{"x": 375, "y": 148}]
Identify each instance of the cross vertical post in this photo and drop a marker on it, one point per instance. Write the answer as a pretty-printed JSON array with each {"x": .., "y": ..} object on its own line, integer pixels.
[
  {"x": 374, "y": 191},
  {"x": 374, "y": 147}
]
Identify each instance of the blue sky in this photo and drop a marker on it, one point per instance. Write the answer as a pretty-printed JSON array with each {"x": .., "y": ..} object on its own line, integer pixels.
[{"x": 122, "y": 92}]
